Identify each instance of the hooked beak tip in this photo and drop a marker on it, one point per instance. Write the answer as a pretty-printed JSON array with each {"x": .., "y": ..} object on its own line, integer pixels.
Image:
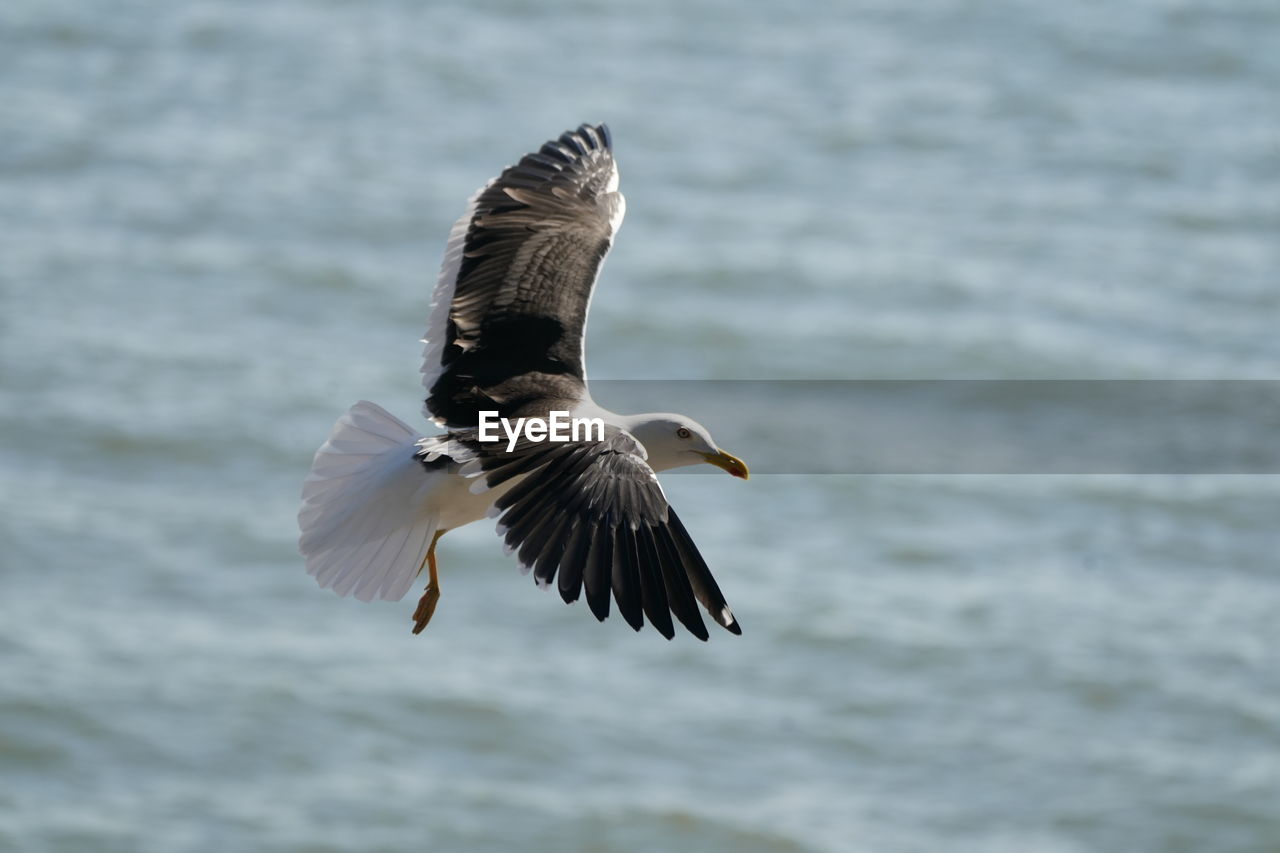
[{"x": 730, "y": 463}]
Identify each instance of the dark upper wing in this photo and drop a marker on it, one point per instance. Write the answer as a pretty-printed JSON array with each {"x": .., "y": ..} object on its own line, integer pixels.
[
  {"x": 510, "y": 307},
  {"x": 593, "y": 514}
]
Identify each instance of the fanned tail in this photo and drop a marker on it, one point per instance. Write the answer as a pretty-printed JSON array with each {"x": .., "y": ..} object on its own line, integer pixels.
[{"x": 365, "y": 528}]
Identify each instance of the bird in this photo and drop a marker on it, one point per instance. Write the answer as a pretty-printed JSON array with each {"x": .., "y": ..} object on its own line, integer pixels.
[{"x": 505, "y": 342}]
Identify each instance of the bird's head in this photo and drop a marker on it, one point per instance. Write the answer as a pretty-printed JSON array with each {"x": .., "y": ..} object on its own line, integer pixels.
[{"x": 674, "y": 441}]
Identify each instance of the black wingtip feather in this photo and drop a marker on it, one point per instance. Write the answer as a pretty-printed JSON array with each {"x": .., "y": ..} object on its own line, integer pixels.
[
  {"x": 653, "y": 590},
  {"x": 704, "y": 586},
  {"x": 577, "y": 140},
  {"x": 626, "y": 576},
  {"x": 556, "y": 151},
  {"x": 544, "y": 569},
  {"x": 571, "y": 565},
  {"x": 670, "y": 565},
  {"x": 597, "y": 573}
]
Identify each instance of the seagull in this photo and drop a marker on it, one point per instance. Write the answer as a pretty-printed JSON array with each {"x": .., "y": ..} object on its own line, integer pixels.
[{"x": 505, "y": 341}]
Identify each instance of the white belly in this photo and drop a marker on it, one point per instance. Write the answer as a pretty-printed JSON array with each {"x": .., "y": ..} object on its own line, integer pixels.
[{"x": 449, "y": 498}]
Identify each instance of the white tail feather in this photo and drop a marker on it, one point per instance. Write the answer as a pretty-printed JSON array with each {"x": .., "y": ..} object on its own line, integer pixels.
[{"x": 364, "y": 520}]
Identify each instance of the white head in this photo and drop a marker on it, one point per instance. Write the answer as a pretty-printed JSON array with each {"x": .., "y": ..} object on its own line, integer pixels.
[{"x": 673, "y": 441}]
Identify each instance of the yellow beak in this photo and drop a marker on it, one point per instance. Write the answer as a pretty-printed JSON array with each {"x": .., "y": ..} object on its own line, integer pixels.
[{"x": 728, "y": 462}]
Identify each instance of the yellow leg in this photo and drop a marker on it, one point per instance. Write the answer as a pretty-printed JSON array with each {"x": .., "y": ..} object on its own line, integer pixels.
[{"x": 427, "y": 604}]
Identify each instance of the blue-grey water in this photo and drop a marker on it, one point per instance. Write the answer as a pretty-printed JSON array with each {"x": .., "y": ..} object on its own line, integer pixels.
[{"x": 219, "y": 226}]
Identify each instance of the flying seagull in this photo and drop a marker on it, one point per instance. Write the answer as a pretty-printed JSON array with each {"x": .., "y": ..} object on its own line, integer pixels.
[{"x": 505, "y": 341}]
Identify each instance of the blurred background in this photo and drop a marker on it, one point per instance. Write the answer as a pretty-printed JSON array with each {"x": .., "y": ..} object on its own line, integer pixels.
[{"x": 219, "y": 226}]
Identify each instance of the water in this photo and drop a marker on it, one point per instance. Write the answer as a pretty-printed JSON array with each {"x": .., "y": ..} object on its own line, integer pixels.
[{"x": 218, "y": 227}]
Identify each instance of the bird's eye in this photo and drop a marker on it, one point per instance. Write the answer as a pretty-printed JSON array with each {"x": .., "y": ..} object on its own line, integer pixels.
[{"x": 682, "y": 432}]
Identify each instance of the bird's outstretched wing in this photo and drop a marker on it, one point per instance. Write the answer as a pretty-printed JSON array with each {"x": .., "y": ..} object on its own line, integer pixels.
[
  {"x": 591, "y": 516},
  {"x": 510, "y": 307}
]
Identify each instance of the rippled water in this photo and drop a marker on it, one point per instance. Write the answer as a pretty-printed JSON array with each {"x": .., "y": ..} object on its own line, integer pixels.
[{"x": 219, "y": 223}]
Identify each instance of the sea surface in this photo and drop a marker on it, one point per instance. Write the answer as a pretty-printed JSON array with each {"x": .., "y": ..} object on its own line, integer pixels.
[{"x": 220, "y": 223}]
